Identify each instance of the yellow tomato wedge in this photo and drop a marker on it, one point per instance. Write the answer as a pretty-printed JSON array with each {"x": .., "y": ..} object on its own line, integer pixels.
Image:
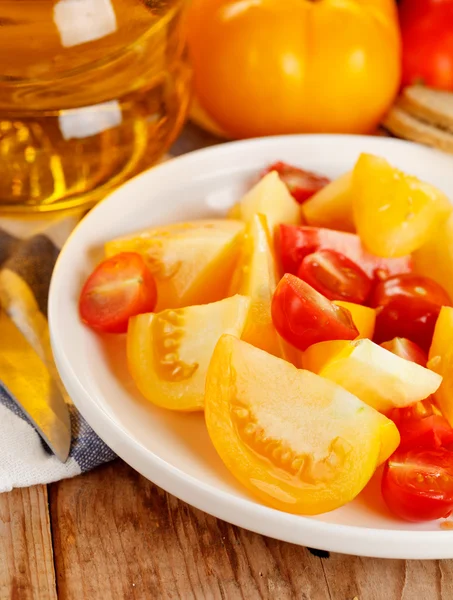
[
  {"x": 441, "y": 361},
  {"x": 192, "y": 262},
  {"x": 364, "y": 317},
  {"x": 168, "y": 353},
  {"x": 394, "y": 213},
  {"x": 256, "y": 277},
  {"x": 372, "y": 373},
  {"x": 297, "y": 441},
  {"x": 331, "y": 207},
  {"x": 271, "y": 198},
  {"x": 435, "y": 258}
]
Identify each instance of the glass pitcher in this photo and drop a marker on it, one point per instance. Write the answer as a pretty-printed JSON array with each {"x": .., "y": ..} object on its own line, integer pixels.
[{"x": 91, "y": 93}]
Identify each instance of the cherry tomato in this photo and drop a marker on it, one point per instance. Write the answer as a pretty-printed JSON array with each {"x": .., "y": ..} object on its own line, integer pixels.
[
  {"x": 427, "y": 42},
  {"x": 302, "y": 316},
  {"x": 302, "y": 184},
  {"x": 409, "y": 318},
  {"x": 417, "y": 484},
  {"x": 119, "y": 288},
  {"x": 419, "y": 425},
  {"x": 433, "y": 431},
  {"x": 422, "y": 426},
  {"x": 409, "y": 285},
  {"x": 419, "y": 410},
  {"x": 295, "y": 242},
  {"x": 335, "y": 276},
  {"x": 406, "y": 349}
]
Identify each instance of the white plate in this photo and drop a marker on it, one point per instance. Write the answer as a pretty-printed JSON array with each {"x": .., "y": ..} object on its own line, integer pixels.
[{"x": 174, "y": 450}]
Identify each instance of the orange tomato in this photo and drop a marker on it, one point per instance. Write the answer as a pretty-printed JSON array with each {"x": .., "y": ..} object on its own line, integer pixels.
[{"x": 271, "y": 66}]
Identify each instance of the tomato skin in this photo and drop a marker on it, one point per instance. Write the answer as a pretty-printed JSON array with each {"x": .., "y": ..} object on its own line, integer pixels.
[
  {"x": 119, "y": 288},
  {"x": 417, "y": 485},
  {"x": 301, "y": 184},
  {"x": 433, "y": 431},
  {"x": 408, "y": 307},
  {"x": 406, "y": 349},
  {"x": 419, "y": 425},
  {"x": 427, "y": 43},
  {"x": 295, "y": 242},
  {"x": 408, "y": 318},
  {"x": 335, "y": 276},
  {"x": 302, "y": 316},
  {"x": 266, "y": 67},
  {"x": 409, "y": 285}
]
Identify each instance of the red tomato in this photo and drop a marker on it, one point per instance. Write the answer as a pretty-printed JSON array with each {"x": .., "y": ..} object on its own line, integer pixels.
[
  {"x": 409, "y": 285},
  {"x": 297, "y": 242},
  {"x": 427, "y": 37},
  {"x": 408, "y": 318},
  {"x": 432, "y": 431},
  {"x": 418, "y": 425},
  {"x": 417, "y": 411},
  {"x": 335, "y": 276},
  {"x": 406, "y": 349},
  {"x": 302, "y": 316},
  {"x": 417, "y": 485},
  {"x": 119, "y": 288},
  {"x": 302, "y": 184}
]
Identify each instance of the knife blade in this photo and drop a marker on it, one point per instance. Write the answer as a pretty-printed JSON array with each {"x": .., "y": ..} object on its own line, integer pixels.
[{"x": 27, "y": 380}]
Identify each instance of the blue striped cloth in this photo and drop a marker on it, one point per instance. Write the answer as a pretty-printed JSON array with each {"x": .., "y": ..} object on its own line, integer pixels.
[{"x": 28, "y": 251}]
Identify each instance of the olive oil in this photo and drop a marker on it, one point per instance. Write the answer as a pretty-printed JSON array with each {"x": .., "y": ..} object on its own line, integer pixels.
[{"x": 91, "y": 93}]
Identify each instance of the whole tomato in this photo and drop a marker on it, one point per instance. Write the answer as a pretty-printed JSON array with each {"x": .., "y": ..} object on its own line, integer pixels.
[
  {"x": 265, "y": 67},
  {"x": 427, "y": 35}
]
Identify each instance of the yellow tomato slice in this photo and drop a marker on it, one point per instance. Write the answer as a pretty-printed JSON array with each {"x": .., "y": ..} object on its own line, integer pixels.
[
  {"x": 192, "y": 262},
  {"x": 256, "y": 277},
  {"x": 297, "y": 441},
  {"x": 168, "y": 353},
  {"x": 395, "y": 214},
  {"x": 375, "y": 375},
  {"x": 331, "y": 207},
  {"x": 441, "y": 361},
  {"x": 435, "y": 258},
  {"x": 364, "y": 318},
  {"x": 271, "y": 198}
]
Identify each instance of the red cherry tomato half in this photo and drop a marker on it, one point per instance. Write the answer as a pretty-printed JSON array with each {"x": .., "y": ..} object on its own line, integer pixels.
[
  {"x": 296, "y": 242},
  {"x": 432, "y": 431},
  {"x": 406, "y": 349},
  {"x": 408, "y": 318},
  {"x": 335, "y": 276},
  {"x": 417, "y": 484},
  {"x": 409, "y": 285},
  {"x": 417, "y": 411},
  {"x": 301, "y": 184},
  {"x": 302, "y": 316},
  {"x": 119, "y": 288}
]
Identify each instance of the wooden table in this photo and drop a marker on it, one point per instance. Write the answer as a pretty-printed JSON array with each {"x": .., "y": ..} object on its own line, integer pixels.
[{"x": 111, "y": 534}]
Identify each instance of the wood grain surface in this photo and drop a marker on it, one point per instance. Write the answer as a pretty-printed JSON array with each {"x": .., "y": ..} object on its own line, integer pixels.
[
  {"x": 117, "y": 536},
  {"x": 26, "y": 560}
]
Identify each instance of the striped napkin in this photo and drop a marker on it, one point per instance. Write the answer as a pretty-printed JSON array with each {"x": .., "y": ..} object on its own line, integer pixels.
[{"x": 28, "y": 251}]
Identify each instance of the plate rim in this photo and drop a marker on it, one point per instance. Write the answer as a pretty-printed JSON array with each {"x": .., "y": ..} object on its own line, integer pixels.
[{"x": 242, "y": 512}]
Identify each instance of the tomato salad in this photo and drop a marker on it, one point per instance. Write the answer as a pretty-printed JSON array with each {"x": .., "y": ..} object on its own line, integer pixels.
[{"x": 317, "y": 353}]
